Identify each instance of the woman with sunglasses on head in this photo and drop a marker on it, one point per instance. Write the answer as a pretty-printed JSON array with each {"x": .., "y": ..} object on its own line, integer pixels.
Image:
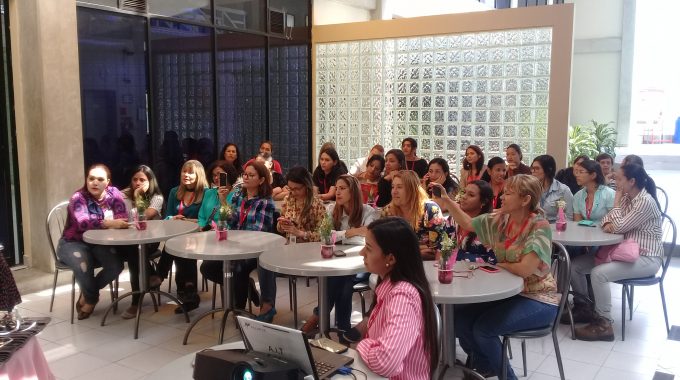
[
  {"x": 394, "y": 162},
  {"x": 400, "y": 337},
  {"x": 350, "y": 218},
  {"x": 327, "y": 172},
  {"x": 143, "y": 189},
  {"x": 184, "y": 202},
  {"x": 543, "y": 168},
  {"x": 473, "y": 165},
  {"x": 521, "y": 239},
  {"x": 96, "y": 205},
  {"x": 410, "y": 201}
]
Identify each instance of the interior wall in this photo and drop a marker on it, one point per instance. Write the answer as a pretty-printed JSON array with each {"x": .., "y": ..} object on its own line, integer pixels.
[
  {"x": 47, "y": 112},
  {"x": 338, "y": 12}
]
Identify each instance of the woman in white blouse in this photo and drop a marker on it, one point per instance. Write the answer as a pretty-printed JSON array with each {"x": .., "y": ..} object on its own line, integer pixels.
[{"x": 637, "y": 215}]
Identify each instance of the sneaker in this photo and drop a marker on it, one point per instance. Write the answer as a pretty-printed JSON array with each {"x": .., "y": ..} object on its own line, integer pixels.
[
  {"x": 130, "y": 313},
  {"x": 268, "y": 316},
  {"x": 582, "y": 313},
  {"x": 599, "y": 329}
]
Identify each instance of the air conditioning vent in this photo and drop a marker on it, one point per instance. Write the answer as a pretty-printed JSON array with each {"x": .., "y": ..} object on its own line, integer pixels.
[
  {"x": 133, "y": 5},
  {"x": 277, "y": 22}
]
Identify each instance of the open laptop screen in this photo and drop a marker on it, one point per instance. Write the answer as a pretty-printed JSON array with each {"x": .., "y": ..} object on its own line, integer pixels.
[{"x": 278, "y": 341}]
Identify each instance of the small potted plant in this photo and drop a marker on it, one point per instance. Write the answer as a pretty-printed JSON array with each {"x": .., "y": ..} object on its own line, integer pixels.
[
  {"x": 561, "y": 223},
  {"x": 326, "y": 231},
  {"x": 222, "y": 221},
  {"x": 141, "y": 204},
  {"x": 446, "y": 260}
]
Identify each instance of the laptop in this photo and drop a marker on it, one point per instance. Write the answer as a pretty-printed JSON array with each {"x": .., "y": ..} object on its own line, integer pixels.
[{"x": 291, "y": 345}]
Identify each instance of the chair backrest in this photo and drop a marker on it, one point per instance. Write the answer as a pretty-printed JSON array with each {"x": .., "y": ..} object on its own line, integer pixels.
[
  {"x": 662, "y": 196},
  {"x": 438, "y": 323},
  {"x": 54, "y": 226},
  {"x": 668, "y": 234},
  {"x": 561, "y": 270}
]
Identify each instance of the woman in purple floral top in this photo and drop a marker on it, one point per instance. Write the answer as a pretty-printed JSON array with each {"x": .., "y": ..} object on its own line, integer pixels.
[{"x": 96, "y": 205}]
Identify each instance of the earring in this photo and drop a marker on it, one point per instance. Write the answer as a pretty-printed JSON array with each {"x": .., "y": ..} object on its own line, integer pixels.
[{"x": 387, "y": 265}]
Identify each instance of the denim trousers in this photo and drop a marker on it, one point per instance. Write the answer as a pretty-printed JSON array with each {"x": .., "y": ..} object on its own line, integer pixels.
[
  {"x": 339, "y": 291},
  {"x": 602, "y": 275},
  {"x": 479, "y": 327},
  {"x": 83, "y": 258},
  {"x": 267, "y": 286}
]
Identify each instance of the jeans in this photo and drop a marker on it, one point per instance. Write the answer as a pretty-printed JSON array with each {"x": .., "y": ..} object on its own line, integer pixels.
[
  {"x": 267, "y": 286},
  {"x": 603, "y": 274},
  {"x": 83, "y": 258},
  {"x": 212, "y": 270},
  {"x": 339, "y": 294},
  {"x": 185, "y": 270},
  {"x": 479, "y": 327}
]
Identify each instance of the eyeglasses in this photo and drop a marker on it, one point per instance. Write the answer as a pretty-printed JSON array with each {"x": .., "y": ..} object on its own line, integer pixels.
[{"x": 249, "y": 175}]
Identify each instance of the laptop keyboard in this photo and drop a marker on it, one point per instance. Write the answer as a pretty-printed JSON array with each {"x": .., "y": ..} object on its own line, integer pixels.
[{"x": 322, "y": 368}]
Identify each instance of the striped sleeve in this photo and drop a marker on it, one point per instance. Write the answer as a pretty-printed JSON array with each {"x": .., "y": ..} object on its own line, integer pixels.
[
  {"x": 486, "y": 229},
  {"x": 640, "y": 213},
  {"x": 539, "y": 240},
  {"x": 385, "y": 354}
]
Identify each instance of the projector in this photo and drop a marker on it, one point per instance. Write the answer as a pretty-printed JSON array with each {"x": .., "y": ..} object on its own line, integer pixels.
[{"x": 243, "y": 365}]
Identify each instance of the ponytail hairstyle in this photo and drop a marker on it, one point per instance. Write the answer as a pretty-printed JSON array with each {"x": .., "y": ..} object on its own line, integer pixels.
[{"x": 642, "y": 180}]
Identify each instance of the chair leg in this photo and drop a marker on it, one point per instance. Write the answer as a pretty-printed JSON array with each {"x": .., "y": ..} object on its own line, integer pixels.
[
  {"x": 214, "y": 296},
  {"x": 73, "y": 296},
  {"x": 623, "y": 312},
  {"x": 571, "y": 320},
  {"x": 170, "y": 279},
  {"x": 114, "y": 295},
  {"x": 524, "y": 356},
  {"x": 504, "y": 358},
  {"x": 663, "y": 303},
  {"x": 363, "y": 304},
  {"x": 509, "y": 350},
  {"x": 557, "y": 354},
  {"x": 631, "y": 290},
  {"x": 290, "y": 292},
  {"x": 204, "y": 285},
  {"x": 294, "y": 300},
  {"x": 54, "y": 287}
]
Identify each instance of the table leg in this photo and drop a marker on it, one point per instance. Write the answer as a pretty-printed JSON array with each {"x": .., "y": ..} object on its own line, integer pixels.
[
  {"x": 324, "y": 312},
  {"x": 448, "y": 346}
]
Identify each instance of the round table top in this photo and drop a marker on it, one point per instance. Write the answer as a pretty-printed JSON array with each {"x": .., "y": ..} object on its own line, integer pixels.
[
  {"x": 182, "y": 368},
  {"x": 304, "y": 259},
  {"x": 239, "y": 245},
  {"x": 584, "y": 236},
  {"x": 156, "y": 231},
  {"x": 481, "y": 287}
]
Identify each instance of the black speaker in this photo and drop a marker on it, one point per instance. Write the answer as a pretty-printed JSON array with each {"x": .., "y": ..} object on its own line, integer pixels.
[{"x": 243, "y": 365}]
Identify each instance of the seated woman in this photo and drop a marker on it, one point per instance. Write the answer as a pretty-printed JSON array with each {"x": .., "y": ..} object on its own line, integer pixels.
[
  {"x": 361, "y": 164},
  {"x": 513, "y": 156},
  {"x": 400, "y": 337},
  {"x": 606, "y": 162},
  {"x": 495, "y": 176},
  {"x": 637, "y": 215},
  {"x": 231, "y": 154},
  {"x": 370, "y": 178},
  {"x": 543, "y": 168},
  {"x": 143, "y": 189},
  {"x": 566, "y": 175},
  {"x": 184, "y": 202},
  {"x": 278, "y": 182},
  {"x": 301, "y": 212},
  {"x": 350, "y": 218},
  {"x": 595, "y": 199},
  {"x": 438, "y": 171},
  {"x": 521, "y": 239},
  {"x": 394, "y": 162},
  {"x": 96, "y": 205},
  {"x": 217, "y": 195},
  {"x": 476, "y": 200},
  {"x": 473, "y": 165},
  {"x": 410, "y": 201},
  {"x": 326, "y": 173},
  {"x": 267, "y": 149}
]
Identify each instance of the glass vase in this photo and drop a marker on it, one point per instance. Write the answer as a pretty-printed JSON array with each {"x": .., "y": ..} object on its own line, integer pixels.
[
  {"x": 445, "y": 270},
  {"x": 221, "y": 231},
  {"x": 327, "y": 251},
  {"x": 561, "y": 223}
]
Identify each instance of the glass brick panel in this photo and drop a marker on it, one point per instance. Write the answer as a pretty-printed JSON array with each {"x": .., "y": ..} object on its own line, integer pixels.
[{"x": 495, "y": 84}]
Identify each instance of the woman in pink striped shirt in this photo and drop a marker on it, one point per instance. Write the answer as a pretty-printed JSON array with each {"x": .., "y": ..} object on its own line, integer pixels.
[{"x": 400, "y": 336}]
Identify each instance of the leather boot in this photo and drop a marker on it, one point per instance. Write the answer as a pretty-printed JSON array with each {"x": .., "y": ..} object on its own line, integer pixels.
[
  {"x": 582, "y": 313},
  {"x": 599, "y": 329}
]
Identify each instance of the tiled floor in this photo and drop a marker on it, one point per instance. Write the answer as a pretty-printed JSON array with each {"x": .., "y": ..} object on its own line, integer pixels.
[{"x": 86, "y": 350}]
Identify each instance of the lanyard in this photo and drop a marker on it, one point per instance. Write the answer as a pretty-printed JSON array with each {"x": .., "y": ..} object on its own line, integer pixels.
[
  {"x": 460, "y": 235},
  {"x": 244, "y": 213},
  {"x": 589, "y": 209},
  {"x": 510, "y": 240}
]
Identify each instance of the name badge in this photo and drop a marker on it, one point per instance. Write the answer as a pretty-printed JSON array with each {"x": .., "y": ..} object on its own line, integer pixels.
[{"x": 108, "y": 215}]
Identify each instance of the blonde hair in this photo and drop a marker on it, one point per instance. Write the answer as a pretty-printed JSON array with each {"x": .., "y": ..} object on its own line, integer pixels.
[
  {"x": 416, "y": 197},
  {"x": 525, "y": 184},
  {"x": 201, "y": 181}
]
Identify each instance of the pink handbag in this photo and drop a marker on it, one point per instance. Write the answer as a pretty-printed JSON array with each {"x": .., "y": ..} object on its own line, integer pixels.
[{"x": 627, "y": 251}]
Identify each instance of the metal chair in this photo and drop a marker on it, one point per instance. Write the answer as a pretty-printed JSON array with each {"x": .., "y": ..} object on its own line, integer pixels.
[
  {"x": 662, "y": 196},
  {"x": 562, "y": 272},
  {"x": 54, "y": 226},
  {"x": 360, "y": 288},
  {"x": 627, "y": 289}
]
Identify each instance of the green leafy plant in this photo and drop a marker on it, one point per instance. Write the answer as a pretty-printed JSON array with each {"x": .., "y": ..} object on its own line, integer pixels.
[
  {"x": 447, "y": 247},
  {"x": 225, "y": 212},
  {"x": 591, "y": 140},
  {"x": 141, "y": 203},
  {"x": 325, "y": 229}
]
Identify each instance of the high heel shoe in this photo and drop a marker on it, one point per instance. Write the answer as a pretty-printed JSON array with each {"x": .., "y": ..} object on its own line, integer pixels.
[
  {"x": 311, "y": 326},
  {"x": 268, "y": 316}
]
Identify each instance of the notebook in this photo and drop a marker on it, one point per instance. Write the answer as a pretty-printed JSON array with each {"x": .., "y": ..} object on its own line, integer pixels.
[{"x": 291, "y": 345}]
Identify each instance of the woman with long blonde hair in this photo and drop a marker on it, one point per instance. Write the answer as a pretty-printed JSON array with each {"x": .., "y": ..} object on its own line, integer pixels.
[{"x": 411, "y": 202}]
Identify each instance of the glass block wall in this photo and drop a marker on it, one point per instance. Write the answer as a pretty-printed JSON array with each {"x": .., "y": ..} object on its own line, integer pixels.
[{"x": 447, "y": 91}]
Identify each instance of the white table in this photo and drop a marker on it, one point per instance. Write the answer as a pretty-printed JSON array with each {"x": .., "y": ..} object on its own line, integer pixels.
[
  {"x": 304, "y": 259},
  {"x": 481, "y": 287},
  {"x": 205, "y": 246},
  {"x": 584, "y": 236},
  {"x": 182, "y": 368},
  {"x": 155, "y": 232}
]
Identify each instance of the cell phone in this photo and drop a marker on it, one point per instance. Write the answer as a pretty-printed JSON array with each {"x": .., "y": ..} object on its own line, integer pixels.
[
  {"x": 223, "y": 179},
  {"x": 437, "y": 191},
  {"x": 489, "y": 269},
  {"x": 587, "y": 223},
  {"x": 339, "y": 253},
  {"x": 328, "y": 345}
]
